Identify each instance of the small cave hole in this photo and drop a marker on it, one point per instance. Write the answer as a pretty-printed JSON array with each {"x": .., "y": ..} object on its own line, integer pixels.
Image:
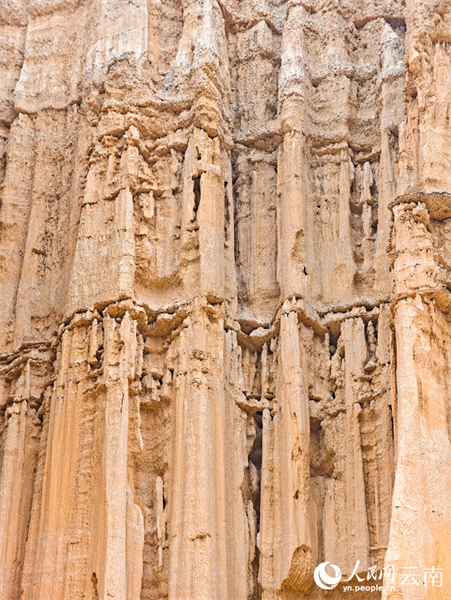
[{"x": 94, "y": 582}]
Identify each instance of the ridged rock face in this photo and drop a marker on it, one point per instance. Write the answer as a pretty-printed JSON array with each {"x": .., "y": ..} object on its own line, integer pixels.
[{"x": 225, "y": 326}]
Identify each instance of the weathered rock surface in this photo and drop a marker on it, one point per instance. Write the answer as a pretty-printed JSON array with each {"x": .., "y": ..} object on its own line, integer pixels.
[{"x": 225, "y": 264}]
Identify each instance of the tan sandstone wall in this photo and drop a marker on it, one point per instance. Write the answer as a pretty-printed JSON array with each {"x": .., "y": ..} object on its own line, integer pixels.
[{"x": 225, "y": 325}]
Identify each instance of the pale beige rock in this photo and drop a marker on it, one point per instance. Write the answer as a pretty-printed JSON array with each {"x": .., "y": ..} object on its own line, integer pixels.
[{"x": 225, "y": 265}]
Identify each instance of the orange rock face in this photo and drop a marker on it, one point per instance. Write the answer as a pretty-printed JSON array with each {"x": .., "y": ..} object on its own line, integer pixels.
[{"x": 225, "y": 326}]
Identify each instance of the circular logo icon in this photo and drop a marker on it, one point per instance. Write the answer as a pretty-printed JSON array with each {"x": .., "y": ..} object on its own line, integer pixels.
[{"x": 323, "y": 579}]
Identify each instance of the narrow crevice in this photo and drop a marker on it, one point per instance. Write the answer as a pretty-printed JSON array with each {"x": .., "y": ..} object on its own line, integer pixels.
[
  {"x": 255, "y": 457},
  {"x": 392, "y": 421},
  {"x": 226, "y": 213}
]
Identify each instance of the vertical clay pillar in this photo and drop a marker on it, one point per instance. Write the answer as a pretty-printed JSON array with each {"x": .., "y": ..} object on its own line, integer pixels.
[
  {"x": 357, "y": 536},
  {"x": 240, "y": 548},
  {"x": 420, "y": 533},
  {"x": 14, "y": 218},
  {"x": 292, "y": 173},
  {"x": 10, "y": 494},
  {"x": 198, "y": 551},
  {"x": 101, "y": 528},
  {"x": 266, "y": 539},
  {"x": 293, "y": 568},
  {"x": 203, "y": 563},
  {"x": 111, "y": 555},
  {"x": 345, "y": 266},
  {"x": 287, "y": 554},
  {"x": 203, "y": 209},
  {"x": 15, "y": 488},
  {"x": 211, "y": 221},
  {"x": 392, "y": 113},
  {"x": 49, "y": 568}
]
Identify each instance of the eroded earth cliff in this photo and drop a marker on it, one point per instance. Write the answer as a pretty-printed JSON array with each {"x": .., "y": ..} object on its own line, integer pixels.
[{"x": 225, "y": 263}]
